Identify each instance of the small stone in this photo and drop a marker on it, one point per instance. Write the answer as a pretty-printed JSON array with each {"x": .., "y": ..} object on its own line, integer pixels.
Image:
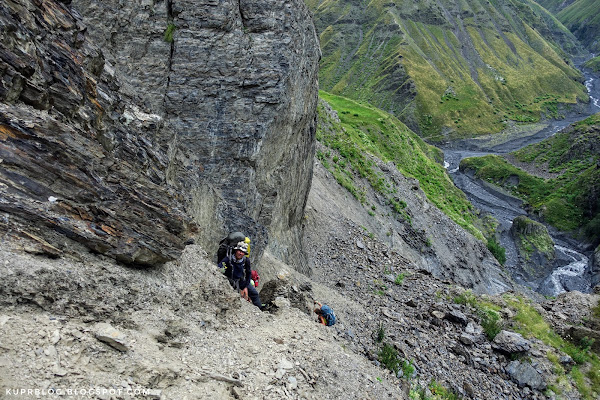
[
  {"x": 457, "y": 316},
  {"x": 467, "y": 339},
  {"x": 55, "y": 337},
  {"x": 109, "y": 335},
  {"x": 510, "y": 342},
  {"x": 59, "y": 371},
  {"x": 293, "y": 382},
  {"x": 285, "y": 364}
]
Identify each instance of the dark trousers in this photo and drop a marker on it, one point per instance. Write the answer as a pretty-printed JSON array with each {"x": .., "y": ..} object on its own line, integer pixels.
[{"x": 252, "y": 292}]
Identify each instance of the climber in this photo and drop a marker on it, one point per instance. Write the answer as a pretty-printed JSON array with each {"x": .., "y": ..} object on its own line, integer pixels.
[
  {"x": 325, "y": 314},
  {"x": 238, "y": 271}
]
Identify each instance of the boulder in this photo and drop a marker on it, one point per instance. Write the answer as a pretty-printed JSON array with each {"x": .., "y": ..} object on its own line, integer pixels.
[
  {"x": 524, "y": 374},
  {"x": 510, "y": 342}
]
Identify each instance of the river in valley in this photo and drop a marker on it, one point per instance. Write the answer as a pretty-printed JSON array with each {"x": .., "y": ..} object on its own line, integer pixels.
[{"x": 572, "y": 271}]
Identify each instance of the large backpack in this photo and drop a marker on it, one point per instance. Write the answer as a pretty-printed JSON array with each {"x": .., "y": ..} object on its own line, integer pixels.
[
  {"x": 328, "y": 315},
  {"x": 227, "y": 244}
]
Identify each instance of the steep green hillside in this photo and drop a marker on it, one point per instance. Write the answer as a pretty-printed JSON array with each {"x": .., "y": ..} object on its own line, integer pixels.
[
  {"x": 571, "y": 199},
  {"x": 582, "y": 17},
  {"x": 593, "y": 64},
  {"x": 362, "y": 130},
  {"x": 448, "y": 69}
]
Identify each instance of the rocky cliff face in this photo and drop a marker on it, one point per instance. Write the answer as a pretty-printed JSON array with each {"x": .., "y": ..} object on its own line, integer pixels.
[
  {"x": 535, "y": 248},
  {"x": 108, "y": 124}
]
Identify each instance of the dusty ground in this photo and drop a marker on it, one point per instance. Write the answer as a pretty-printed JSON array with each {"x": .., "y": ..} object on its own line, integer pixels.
[{"x": 195, "y": 339}]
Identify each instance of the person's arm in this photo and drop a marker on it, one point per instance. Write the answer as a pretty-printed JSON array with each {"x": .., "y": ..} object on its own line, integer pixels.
[{"x": 224, "y": 265}]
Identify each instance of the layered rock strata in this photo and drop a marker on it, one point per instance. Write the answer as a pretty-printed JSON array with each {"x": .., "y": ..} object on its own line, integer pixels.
[{"x": 132, "y": 127}]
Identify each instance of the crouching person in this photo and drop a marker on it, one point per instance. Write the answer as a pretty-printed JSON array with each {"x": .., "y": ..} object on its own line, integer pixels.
[{"x": 238, "y": 271}]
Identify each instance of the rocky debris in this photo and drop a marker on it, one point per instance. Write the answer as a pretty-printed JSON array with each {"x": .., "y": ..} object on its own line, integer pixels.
[
  {"x": 444, "y": 342},
  {"x": 430, "y": 241},
  {"x": 111, "y": 336},
  {"x": 280, "y": 288},
  {"x": 187, "y": 335},
  {"x": 571, "y": 314}
]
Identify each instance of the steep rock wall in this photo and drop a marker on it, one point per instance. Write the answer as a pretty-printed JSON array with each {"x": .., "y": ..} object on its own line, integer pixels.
[
  {"x": 237, "y": 88},
  {"x": 206, "y": 133}
]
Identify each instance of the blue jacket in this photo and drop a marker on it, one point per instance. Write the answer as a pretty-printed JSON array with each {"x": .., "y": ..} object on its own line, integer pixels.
[{"x": 237, "y": 270}]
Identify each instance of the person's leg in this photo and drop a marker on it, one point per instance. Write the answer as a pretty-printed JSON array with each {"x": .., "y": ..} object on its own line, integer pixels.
[{"x": 253, "y": 294}]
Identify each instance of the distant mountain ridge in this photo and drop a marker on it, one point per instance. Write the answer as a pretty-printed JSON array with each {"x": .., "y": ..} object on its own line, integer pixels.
[
  {"x": 582, "y": 17},
  {"x": 449, "y": 70}
]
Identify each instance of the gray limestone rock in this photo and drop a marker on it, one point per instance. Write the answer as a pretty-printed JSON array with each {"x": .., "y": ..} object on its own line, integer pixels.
[
  {"x": 146, "y": 142},
  {"x": 510, "y": 342},
  {"x": 524, "y": 374}
]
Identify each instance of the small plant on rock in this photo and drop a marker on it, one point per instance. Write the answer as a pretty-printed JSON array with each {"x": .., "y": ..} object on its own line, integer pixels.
[
  {"x": 399, "y": 278},
  {"x": 380, "y": 333},
  {"x": 169, "y": 32},
  {"x": 389, "y": 358}
]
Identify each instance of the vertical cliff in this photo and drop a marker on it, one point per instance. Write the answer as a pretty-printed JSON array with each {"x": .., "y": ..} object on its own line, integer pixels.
[{"x": 190, "y": 118}]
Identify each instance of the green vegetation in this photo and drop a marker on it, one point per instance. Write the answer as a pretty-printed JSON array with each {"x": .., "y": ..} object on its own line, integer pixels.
[
  {"x": 531, "y": 237},
  {"x": 582, "y": 17},
  {"x": 399, "y": 279},
  {"x": 586, "y": 375},
  {"x": 487, "y": 312},
  {"x": 390, "y": 359},
  {"x": 380, "y": 333},
  {"x": 169, "y": 33},
  {"x": 448, "y": 79},
  {"x": 593, "y": 64},
  {"x": 363, "y": 130},
  {"x": 571, "y": 199},
  {"x": 437, "y": 390},
  {"x": 496, "y": 249},
  {"x": 528, "y": 322}
]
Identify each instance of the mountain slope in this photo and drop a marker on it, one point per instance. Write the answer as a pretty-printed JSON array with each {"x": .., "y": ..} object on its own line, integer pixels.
[
  {"x": 582, "y": 17},
  {"x": 447, "y": 69},
  {"x": 374, "y": 171}
]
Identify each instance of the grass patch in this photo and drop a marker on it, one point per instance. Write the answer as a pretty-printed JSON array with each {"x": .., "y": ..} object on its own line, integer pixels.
[
  {"x": 169, "y": 33},
  {"x": 486, "y": 311},
  {"x": 570, "y": 200},
  {"x": 399, "y": 278},
  {"x": 496, "y": 249},
  {"x": 363, "y": 130},
  {"x": 416, "y": 70}
]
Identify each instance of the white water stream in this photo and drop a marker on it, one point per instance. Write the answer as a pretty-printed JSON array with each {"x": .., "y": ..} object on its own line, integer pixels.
[{"x": 574, "y": 268}]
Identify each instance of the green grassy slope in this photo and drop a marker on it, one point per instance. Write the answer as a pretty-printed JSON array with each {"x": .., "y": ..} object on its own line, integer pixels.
[
  {"x": 571, "y": 200},
  {"x": 593, "y": 64},
  {"x": 364, "y": 129},
  {"x": 447, "y": 69},
  {"x": 582, "y": 17}
]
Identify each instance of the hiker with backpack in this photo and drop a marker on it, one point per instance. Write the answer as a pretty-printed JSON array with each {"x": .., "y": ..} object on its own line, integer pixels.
[
  {"x": 238, "y": 271},
  {"x": 325, "y": 314}
]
